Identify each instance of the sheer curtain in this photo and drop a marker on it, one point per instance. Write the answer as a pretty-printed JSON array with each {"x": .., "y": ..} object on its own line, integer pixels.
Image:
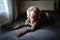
[{"x": 5, "y": 12}]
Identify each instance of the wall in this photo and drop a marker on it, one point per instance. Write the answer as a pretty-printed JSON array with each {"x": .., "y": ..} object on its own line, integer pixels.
[
  {"x": 56, "y": 4},
  {"x": 42, "y": 5}
]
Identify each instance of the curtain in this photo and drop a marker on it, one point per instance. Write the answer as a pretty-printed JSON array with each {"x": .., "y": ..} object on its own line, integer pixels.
[{"x": 6, "y": 14}]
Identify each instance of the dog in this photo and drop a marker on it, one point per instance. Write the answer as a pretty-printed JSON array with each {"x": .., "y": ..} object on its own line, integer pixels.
[{"x": 34, "y": 18}]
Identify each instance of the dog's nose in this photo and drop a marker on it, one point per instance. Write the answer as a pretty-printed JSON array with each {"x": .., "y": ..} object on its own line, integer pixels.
[{"x": 32, "y": 16}]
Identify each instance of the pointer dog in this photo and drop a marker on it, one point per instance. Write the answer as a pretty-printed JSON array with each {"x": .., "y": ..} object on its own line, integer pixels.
[{"x": 34, "y": 18}]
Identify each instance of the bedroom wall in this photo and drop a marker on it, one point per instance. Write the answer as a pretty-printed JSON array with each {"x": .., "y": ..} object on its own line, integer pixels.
[
  {"x": 42, "y": 5},
  {"x": 21, "y": 4}
]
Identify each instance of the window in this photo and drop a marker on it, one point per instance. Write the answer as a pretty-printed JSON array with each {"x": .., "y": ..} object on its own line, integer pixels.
[{"x": 2, "y": 8}]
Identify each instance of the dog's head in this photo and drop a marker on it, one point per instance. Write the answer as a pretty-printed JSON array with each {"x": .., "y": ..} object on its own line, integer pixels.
[{"x": 33, "y": 11}]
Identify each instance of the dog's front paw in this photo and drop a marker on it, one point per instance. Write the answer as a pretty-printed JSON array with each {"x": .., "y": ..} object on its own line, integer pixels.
[
  {"x": 23, "y": 33},
  {"x": 20, "y": 34}
]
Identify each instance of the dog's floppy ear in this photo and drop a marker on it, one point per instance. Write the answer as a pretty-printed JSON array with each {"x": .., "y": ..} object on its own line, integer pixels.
[
  {"x": 39, "y": 12},
  {"x": 27, "y": 13}
]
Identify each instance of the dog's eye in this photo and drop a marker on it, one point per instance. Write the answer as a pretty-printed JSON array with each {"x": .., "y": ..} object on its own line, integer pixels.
[{"x": 31, "y": 10}]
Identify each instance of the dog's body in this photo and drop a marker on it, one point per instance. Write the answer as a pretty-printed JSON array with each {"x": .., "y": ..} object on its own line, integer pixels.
[{"x": 34, "y": 18}]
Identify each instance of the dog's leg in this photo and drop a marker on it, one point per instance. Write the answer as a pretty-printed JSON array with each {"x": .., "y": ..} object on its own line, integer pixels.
[
  {"x": 21, "y": 25},
  {"x": 18, "y": 26},
  {"x": 33, "y": 28},
  {"x": 23, "y": 33}
]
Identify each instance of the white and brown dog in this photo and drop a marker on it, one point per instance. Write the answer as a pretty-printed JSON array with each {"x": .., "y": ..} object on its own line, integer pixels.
[{"x": 34, "y": 18}]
